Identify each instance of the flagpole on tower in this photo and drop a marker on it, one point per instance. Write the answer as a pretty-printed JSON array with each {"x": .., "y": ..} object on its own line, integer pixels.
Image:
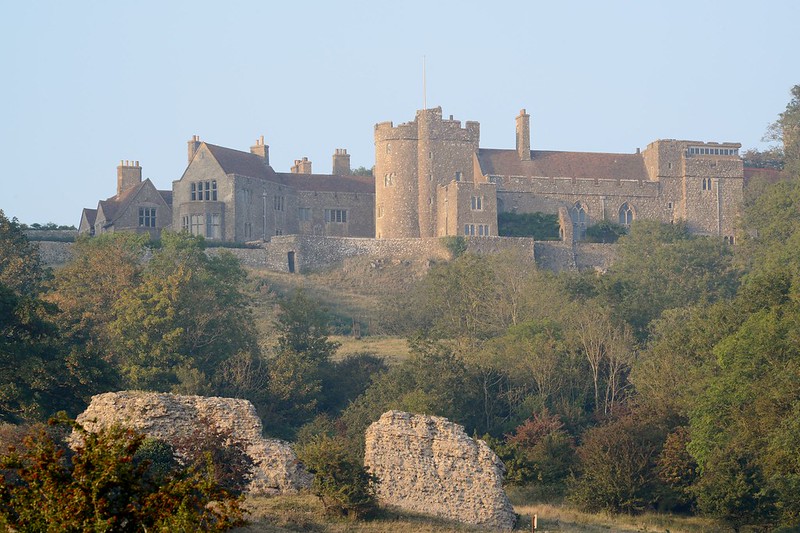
[{"x": 424, "y": 90}]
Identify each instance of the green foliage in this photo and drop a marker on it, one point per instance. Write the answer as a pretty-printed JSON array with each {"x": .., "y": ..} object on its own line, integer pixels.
[
  {"x": 21, "y": 268},
  {"x": 539, "y": 452},
  {"x": 455, "y": 244},
  {"x": 301, "y": 362},
  {"x": 617, "y": 465},
  {"x": 540, "y": 226},
  {"x": 362, "y": 171},
  {"x": 340, "y": 480},
  {"x": 102, "y": 487},
  {"x": 663, "y": 266},
  {"x": 188, "y": 312},
  {"x": 605, "y": 232},
  {"x": 432, "y": 381}
]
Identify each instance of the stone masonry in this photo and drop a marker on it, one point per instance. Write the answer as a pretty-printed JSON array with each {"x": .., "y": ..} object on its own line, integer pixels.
[
  {"x": 168, "y": 417},
  {"x": 428, "y": 464}
]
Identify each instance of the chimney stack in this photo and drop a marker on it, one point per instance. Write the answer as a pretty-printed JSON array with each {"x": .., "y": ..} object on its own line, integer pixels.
[
  {"x": 524, "y": 136},
  {"x": 341, "y": 162},
  {"x": 194, "y": 144},
  {"x": 129, "y": 175},
  {"x": 301, "y": 166},
  {"x": 261, "y": 150}
]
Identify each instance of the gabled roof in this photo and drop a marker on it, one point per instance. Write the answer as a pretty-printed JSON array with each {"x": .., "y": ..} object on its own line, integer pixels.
[
  {"x": 113, "y": 207},
  {"x": 329, "y": 182},
  {"x": 241, "y": 163},
  {"x": 562, "y": 164},
  {"x": 89, "y": 215}
]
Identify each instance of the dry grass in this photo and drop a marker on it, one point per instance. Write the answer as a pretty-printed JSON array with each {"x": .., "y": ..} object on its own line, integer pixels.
[
  {"x": 303, "y": 513},
  {"x": 554, "y": 517},
  {"x": 390, "y": 349}
]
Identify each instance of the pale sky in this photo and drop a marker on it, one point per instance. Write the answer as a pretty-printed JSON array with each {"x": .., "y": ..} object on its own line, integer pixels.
[{"x": 89, "y": 83}]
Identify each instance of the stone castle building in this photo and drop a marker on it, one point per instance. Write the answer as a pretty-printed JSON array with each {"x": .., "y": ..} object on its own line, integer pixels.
[{"x": 431, "y": 179}]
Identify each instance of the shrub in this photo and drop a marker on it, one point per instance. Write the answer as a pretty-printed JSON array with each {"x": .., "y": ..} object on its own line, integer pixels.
[
  {"x": 540, "y": 226},
  {"x": 617, "y": 467},
  {"x": 605, "y": 231},
  {"x": 340, "y": 480},
  {"x": 229, "y": 464},
  {"x": 102, "y": 487},
  {"x": 456, "y": 245}
]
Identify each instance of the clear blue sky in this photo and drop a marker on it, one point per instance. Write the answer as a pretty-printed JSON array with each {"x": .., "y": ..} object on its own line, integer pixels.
[{"x": 86, "y": 84}]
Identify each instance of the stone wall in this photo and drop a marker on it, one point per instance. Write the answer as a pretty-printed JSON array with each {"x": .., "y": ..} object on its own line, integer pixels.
[
  {"x": 55, "y": 253},
  {"x": 312, "y": 253},
  {"x": 428, "y": 464},
  {"x": 170, "y": 417}
]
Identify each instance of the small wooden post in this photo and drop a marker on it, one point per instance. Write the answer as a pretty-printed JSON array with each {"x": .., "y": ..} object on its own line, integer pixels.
[{"x": 534, "y": 523}]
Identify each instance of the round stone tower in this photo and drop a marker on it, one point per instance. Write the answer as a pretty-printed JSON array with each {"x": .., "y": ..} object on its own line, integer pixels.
[
  {"x": 396, "y": 187},
  {"x": 412, "y": 161}
]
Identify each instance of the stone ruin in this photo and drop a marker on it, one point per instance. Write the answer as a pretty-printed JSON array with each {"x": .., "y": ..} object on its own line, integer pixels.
[
  {"x": 428, "y": 464},
  {"x": 169, "y": 417}
]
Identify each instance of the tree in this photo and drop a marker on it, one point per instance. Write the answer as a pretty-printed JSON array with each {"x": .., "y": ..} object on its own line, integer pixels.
[
  {"x": 663, "y": 266},
  {"x": 786, "y": 130},
  {"x": 617, "y": 466},
  {"x": 21, "y": 267},
  {"x": 36, "y": 377},
  {"x": 301, "y": 360},
  {"x": 186, "y": 317}
]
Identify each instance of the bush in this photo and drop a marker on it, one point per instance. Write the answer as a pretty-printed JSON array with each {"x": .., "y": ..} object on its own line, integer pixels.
[
  {"x": 103, "y": 487},
  {"x": 605, "y": 232},
  {"x": 617, "y": 467},
  {"x": 540, "y": 226},
  {"x": 340, "y": 480},
  {"x": 456, "y": 245}
]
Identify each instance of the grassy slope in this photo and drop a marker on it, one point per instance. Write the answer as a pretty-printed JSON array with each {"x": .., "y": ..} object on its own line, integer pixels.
[{"x": 352, "y": 292}]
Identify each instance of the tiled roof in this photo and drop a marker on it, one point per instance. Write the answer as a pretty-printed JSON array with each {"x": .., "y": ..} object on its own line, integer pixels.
[
  {"x": 241, "y": 163},
  {"x": 329, "y": 182},
  {"x": 90, "y": 215},
  {"x": 563, "y": 164},
  {"x": 114, "y": 206},
  {"x": 167, "y": 196}
]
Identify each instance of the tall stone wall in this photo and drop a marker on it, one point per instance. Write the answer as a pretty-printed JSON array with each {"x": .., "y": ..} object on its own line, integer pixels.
[
  {"x": 428, "y": 464},
  {"x": 170, "y": 417}
]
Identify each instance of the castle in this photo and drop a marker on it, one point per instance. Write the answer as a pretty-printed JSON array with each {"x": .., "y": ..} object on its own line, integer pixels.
[{"x": 431, "y": 179}]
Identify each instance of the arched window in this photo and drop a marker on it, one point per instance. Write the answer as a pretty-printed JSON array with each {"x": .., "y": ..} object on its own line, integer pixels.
[
  {"x": 580, "y": 219},
  {"x": 625, "y": 214}
]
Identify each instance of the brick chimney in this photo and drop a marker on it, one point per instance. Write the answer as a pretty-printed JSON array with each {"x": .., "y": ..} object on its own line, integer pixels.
[
  {"x": 341, "y": 162},
  {"x": 524, "y": 136},
  {"x": 261, "y": 150},
  {"x": 301, "y": 166},
  {"x": 129, "y": 175},
  {"x": 194, "y": 144}
]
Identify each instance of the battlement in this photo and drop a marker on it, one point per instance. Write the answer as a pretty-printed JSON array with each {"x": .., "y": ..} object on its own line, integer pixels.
[{"x": 431, "y": 121}]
